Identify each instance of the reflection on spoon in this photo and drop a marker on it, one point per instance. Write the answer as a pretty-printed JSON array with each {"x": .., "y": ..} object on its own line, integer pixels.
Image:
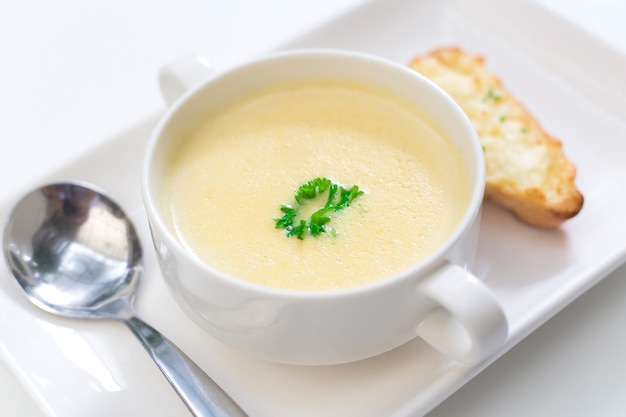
[{"x": 75, "y": 253}]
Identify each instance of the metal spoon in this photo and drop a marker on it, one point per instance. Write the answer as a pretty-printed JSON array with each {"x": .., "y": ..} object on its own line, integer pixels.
[{"x": 75, "y": 253}]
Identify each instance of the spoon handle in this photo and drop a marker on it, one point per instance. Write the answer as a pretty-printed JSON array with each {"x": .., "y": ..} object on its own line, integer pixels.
[{"x": 199, "y": 392}]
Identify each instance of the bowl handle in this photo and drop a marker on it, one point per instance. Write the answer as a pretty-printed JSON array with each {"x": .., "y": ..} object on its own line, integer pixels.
[
  {"x": 182, "y": 75},
  {"x": 469, "y": 324}
]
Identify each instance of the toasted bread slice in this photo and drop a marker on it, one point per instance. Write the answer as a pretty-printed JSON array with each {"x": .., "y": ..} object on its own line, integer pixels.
[{"x": 527, "y": 171}]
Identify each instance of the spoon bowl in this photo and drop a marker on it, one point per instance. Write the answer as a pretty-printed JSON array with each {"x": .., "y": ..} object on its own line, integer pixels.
[{"x": 75, "y": 253}]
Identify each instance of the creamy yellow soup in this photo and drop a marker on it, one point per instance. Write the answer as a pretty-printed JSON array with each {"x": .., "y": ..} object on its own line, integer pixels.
[{"x": 227, "y": 181}]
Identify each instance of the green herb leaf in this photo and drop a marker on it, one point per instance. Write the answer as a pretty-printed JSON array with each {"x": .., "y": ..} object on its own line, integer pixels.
[
  {"x": 338, "y": 199},
  {"x": 492, "y": 95},
  {"x": 312, "y": 188},
  {"x": 289, "y": 214}
]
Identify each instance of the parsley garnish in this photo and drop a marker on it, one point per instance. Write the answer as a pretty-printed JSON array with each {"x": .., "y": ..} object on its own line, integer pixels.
[
  {"x": 492, "y": 95},
  {"x": 339, "y": 198}
]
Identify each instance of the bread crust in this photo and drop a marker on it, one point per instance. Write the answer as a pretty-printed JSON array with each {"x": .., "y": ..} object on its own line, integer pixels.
[{"x": 527, "y": 170}]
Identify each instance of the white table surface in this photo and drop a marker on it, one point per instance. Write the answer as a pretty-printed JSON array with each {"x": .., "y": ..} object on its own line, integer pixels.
[{"x": 73, "y": 74}]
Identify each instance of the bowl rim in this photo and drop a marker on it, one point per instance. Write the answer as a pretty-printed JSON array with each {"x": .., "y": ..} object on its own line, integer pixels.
[{"x": 429, "y": 263}]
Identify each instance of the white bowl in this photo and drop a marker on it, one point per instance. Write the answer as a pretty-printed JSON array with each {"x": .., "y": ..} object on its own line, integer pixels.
[{"x": 437, "y": 299}]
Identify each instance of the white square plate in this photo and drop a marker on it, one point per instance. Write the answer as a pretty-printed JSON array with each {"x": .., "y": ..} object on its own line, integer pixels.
[{"x": 571, "y": 82}]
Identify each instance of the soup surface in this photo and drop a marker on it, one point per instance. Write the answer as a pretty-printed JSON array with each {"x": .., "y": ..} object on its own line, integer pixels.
[{"x": 227, "y": 181}]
